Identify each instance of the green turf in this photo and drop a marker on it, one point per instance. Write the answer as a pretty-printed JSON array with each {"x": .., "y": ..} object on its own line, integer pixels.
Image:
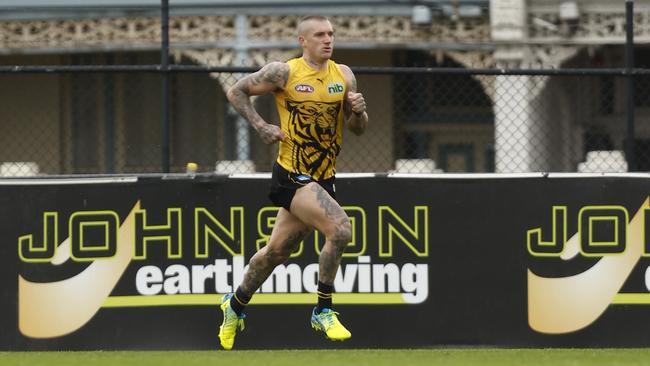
[{"x": 442, "y": 357}]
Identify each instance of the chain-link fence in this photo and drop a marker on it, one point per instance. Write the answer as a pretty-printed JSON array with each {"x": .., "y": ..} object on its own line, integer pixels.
[
  {"x": 421, "y": 121},
  {"x": 129, "y": 112}
]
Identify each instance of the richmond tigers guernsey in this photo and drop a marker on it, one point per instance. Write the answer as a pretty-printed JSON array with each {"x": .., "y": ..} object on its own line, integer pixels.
[{"x": 311, "y": 116}]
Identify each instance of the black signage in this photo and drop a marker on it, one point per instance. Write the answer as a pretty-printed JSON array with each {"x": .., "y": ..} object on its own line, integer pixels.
[{"x": 127, "y": 263}]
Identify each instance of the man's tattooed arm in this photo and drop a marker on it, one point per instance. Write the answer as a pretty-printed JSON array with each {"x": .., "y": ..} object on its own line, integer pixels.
[
  {"x": 355, "y": 105},
  {"x": 270, "y": 78}
]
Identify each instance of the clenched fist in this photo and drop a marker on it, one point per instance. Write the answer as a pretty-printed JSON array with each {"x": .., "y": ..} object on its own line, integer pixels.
[
  {"x": 357, "y": 103},
  {"x": 270, "y": 133}
]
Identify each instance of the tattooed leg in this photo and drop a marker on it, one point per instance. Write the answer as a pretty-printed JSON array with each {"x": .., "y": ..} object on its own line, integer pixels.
[
  {"x": 287, "y": 234},
  {"x": 314, "y": 206}
]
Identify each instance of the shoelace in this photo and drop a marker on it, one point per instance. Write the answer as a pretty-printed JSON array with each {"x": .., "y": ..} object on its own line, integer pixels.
[{"x": 330, "y": 317}]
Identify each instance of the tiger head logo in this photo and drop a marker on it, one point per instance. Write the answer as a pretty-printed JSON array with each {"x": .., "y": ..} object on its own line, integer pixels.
[
  {"x": 314, "y": 121},
  {"x": 314, "y": 129}
]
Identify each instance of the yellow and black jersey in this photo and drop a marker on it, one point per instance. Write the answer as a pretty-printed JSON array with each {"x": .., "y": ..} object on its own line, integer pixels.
[{"x": 311, "y": 116}]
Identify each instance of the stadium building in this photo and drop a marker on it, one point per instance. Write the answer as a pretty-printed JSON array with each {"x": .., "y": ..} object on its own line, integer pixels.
[{"x": 98, "y": 122}]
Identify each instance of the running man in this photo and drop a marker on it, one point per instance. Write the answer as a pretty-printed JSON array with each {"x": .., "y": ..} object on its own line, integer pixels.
[{"x": 315, "y": 98}]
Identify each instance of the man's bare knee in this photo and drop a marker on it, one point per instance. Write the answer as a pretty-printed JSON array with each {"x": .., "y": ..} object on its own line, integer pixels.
[
  {"x": 277, "y": 256},
  {"x": 342, "y": 234}
]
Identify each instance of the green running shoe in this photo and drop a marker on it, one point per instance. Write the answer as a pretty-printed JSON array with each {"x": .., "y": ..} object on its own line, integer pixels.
[
  {"x": 231, "y": 321},
  {"x": 328, "y": 322}
]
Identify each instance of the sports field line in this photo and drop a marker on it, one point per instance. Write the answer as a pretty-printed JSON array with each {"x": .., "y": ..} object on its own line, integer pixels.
[{"x": 361, "y": 357}]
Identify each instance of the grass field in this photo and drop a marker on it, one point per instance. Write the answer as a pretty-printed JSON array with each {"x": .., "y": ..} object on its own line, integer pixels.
[{"x": 441, "y": 356}]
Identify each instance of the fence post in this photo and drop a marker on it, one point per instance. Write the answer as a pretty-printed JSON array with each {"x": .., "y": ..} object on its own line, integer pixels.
[
  {"x": 109, "y": 115},
  {"x": 629, "y": 66},
  {"x": 164, "y": 67}
]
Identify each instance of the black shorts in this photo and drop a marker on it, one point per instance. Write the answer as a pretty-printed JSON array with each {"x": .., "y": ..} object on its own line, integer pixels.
[{"x": 284, "y": 185}]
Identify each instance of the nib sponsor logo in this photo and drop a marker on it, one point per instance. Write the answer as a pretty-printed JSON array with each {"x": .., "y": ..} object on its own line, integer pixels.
[{"x": 335, "y": 88}]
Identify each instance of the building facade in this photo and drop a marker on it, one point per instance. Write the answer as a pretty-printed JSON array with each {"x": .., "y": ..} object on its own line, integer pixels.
[{"x": 66, "y": 123}]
